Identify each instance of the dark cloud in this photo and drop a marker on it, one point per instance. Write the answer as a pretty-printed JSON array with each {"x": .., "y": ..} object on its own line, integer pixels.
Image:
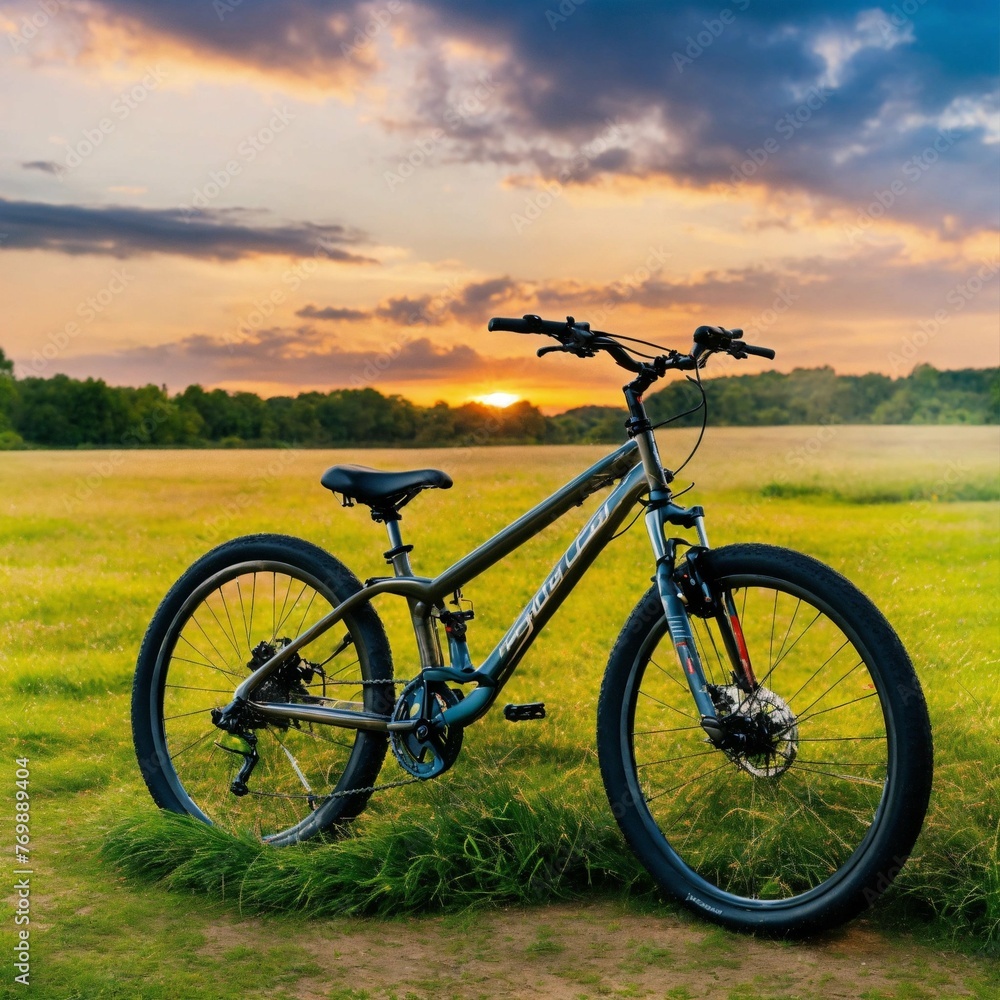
[
  {"x": 320, "y": 41},
  {"x": 334, "y": 313},
  {"x": 291, "y": 357},
  {"x": 842, "y": 100},
  {"x": 122, "y": 232},
  {"x": 45, "y": 166}
]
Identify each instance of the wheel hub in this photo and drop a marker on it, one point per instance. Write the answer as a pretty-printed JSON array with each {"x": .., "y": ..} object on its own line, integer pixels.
[{"x": 761, "y": 734}]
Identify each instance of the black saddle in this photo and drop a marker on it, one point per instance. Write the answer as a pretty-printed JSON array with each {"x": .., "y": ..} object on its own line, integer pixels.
[{"x": 384, "y": 492}]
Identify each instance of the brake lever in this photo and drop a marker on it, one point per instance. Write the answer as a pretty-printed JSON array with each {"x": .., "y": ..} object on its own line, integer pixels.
[{"x": 548, "y": 350}]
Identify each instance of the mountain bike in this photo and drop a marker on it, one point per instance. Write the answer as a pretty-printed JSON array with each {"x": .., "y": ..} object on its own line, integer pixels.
[{"x": 762, "y": 737}]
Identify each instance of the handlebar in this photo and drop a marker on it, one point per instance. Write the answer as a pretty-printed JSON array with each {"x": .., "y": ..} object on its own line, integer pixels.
[{"x": 577, "y": 338}]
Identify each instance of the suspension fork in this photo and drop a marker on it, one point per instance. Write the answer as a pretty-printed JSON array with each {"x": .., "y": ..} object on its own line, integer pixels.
[{"x": 675, "y": 608}]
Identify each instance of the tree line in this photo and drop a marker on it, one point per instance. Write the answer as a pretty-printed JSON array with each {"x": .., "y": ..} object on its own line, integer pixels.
[{"x": 62, "y": 412}]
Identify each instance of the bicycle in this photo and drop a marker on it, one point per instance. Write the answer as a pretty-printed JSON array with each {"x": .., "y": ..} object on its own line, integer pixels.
[{"x": 762, "y": 736}]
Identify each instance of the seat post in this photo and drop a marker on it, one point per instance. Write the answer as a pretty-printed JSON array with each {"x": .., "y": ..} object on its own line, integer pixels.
[{"x": 398, "y": 554}]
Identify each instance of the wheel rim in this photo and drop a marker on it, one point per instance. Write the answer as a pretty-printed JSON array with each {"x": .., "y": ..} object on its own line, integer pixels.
[
  {"x": 208, "y": 651},
  {"x": 757, "y": 829}
]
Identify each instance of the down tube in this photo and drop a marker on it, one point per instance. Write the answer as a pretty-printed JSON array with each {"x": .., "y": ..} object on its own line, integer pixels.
[{"x": 576, "y": 560}]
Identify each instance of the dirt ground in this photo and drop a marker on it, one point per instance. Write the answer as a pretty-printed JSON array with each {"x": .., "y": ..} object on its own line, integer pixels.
[{"x": 572, "y": 952}]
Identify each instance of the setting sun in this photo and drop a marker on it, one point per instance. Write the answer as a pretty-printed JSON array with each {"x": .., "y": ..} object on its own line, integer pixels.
[{"x": 498, "y": 399}]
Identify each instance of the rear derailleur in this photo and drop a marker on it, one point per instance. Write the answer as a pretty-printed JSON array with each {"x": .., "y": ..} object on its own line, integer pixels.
[{"x": 239, "y": 719}]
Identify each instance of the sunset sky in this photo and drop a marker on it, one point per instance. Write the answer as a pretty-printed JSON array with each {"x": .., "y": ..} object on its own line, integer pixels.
[{"x": 284, "y": 195}]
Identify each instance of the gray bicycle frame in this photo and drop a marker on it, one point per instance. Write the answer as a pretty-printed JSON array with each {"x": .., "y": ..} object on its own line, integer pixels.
[{"x": 636, "y": 468}]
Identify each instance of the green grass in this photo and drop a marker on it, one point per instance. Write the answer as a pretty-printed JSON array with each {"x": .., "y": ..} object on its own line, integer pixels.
[{"x": 521, "y": 817}]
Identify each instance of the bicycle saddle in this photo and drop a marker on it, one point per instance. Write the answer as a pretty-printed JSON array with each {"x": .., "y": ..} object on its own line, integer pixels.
[{"x": 382, "y": 490}]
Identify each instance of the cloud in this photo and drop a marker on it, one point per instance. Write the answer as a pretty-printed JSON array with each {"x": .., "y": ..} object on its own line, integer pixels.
[
  {"x": 835, "y": 100},
  {"x": 122, "y": 232},
  {"x": 45, "y": 166},
  {"x": 292, "y": 357},
  {"x": 319, "y": 43},
  {"x": 334, "y": 313}
]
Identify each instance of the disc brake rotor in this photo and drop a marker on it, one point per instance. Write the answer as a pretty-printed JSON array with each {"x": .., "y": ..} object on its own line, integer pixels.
[
  {"x": 762, "y": 730},
  {"x": 425, "y": 749}
]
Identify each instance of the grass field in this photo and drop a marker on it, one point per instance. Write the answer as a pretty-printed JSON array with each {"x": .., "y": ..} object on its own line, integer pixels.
[{"x": 91, "y": 541}]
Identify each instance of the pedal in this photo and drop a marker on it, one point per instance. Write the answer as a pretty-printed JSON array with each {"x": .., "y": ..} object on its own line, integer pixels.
[{"x": 524, "y": 713}]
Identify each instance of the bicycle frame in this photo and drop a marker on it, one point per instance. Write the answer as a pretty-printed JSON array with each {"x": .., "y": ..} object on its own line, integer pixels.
[{"x": 635, "y": 467}]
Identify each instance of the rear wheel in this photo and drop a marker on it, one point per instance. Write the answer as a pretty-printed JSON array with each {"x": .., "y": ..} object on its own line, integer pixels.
[
  {"x": 808, "y": 814},
  {"x": 225, "y": 616}
]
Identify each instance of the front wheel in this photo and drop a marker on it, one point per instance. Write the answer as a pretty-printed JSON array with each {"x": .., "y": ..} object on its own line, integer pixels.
[
  {"x": 230, "y": 612},
  {"x": 808, "y": 814}
]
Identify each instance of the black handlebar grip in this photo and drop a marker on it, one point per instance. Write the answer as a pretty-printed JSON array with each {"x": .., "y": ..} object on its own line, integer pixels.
[
  {"x": 511, "y": 325},
  {"x": 761, "y": 352}
]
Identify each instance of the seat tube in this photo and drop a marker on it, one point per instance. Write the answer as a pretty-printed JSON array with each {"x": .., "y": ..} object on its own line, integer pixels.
[{"x": 424, "y": 625}]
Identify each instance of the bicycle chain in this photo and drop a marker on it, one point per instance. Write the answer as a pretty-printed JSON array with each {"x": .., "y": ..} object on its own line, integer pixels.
[{"x": 369, "y": 789}]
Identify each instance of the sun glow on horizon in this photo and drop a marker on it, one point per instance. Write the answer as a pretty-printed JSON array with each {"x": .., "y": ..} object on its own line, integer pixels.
[{"x": 501, "y": 400}]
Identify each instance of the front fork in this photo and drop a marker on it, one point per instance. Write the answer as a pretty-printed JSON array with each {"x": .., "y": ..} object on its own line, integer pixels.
[{"x": 684, "y": 591}]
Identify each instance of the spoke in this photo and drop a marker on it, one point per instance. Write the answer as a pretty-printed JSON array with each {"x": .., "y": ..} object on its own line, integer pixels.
[
  {"x": 230, "y": 638},
  {"x": 651, "y": 732},
  {"x": 188, "y": 687},
  {"x": 324, "y": 739},
  {"x": 718, "y": 655},
  {"x": 837, "y": 739},
  {"x": 671, "y": 760},
  {"x": 344, "y": 643},
  {"x": 683, "y": 784},
  {"x": 253, "y": 602},
  {"x": 856, "y": 779},
  {"x": 816, "y": 701},
  {"x": 788, "y": 701},
  {"x": 200, "y": 739},
  {"x": 823, "y": 711},
  {"x": 798, "y": 604},
  {"x": 202, "y": 663},
  {"x": 669, "y": 675},
  {"x": 840, "y": 763},
  {"x": 229, "y": 617},
  {"x": 302, "y": 622},
  {"x": 184, "y": 715},
  {"x": 770, "y": 645},
  {"x": 226, "y": 671},
  {"x": 687, "y": 715},
  {"x": 298, "y": 597},
  {"x": 281, "y": 618}
]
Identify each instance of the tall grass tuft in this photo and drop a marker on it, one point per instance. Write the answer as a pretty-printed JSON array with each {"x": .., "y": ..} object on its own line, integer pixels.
[{"x": 499, "y": 845}]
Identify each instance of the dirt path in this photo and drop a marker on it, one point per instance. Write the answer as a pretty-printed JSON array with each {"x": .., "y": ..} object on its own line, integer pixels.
[{"x": 571, "y": 952}]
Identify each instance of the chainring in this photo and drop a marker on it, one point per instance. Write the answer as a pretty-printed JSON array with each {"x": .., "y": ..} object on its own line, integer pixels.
[{"x": 426, "y": 750}]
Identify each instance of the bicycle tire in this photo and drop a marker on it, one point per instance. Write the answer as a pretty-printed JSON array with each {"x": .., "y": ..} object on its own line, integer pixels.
[
  {"x": 776, "y": 842},
  {"x": 297, "y": 789}
]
